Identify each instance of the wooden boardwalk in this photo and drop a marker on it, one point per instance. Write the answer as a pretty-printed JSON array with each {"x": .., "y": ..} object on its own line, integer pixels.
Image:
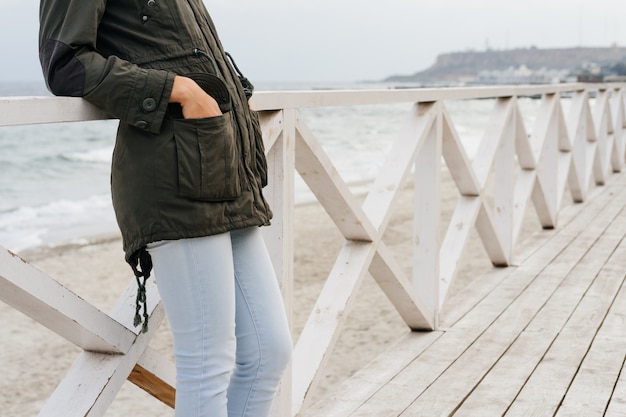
[{"x": 544, "y": 338}]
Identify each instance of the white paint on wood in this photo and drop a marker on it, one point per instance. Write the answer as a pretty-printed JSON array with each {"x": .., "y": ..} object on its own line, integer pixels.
[
  {"x": 17, "y": 111},
  {"x": 279, "y": 237},
  {"x": 489, "y": 144},
  {"x": 526, "y": 157},
  {"x": 456, "y": 158},
  {"x": 397, "y": 166},
  {"x": 504, "y": 184},
  {"x": 400, "y": 291},
  {"x": 619, "y": 119},
  {"x": 94, "y": 379},
  {"x": 45, "y": 300},
  {"x": 427, "y": 222},
  {"x": 327, "y": 318},
  {"x": 302, "y": 99},
  {"x": 455, "y": 241},
  {"x": 317, "y": 170},
  {"x": 604, "y": 130},
  {"x": 271, "y": 128}
]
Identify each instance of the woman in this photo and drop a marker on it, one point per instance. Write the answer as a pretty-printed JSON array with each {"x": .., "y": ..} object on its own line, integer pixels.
[{"x": 187, "y": 173}]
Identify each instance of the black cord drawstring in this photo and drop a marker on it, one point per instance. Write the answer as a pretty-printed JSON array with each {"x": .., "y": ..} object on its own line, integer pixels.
[
  {"x": 248, "y": 88},
  {"x": 142, "y": 259}
]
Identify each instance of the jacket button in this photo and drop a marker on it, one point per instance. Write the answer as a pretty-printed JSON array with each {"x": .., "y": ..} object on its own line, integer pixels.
[
  {"x": 149, "y": 104},
  {"x": 151, "y": 3},
  {"x": 141, "y": 124}
]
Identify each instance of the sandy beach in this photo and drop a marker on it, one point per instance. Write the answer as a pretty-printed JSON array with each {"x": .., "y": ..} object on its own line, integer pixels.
[{"x": 34, "y": 359}]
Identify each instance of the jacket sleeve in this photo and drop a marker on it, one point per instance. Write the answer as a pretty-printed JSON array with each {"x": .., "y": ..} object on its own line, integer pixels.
[{"x": 72, "y": 66}]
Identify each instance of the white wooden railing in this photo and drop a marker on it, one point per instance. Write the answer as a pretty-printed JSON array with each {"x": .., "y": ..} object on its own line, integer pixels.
[{"x": 514, "y": 167}]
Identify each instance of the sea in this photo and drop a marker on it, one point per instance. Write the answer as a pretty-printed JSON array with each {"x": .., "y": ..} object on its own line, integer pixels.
[{"x": 55, "y": 178}]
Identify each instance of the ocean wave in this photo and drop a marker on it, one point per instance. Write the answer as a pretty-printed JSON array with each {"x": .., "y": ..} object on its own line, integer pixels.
[
  {"x": 93, "y": 155},
  {"x": 56, "y": 223}
]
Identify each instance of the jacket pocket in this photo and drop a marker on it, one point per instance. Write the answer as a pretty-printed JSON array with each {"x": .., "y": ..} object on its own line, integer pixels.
[{"x": 208, "y": 159}]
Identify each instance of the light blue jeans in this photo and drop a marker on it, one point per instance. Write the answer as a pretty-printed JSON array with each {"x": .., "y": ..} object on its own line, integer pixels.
[{"x": 231, "y": 338}]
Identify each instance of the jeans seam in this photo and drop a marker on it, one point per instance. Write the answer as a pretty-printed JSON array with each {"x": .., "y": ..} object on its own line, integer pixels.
[
  {"x": 259, "y": 342},
  {"x": 203, "y": 335}
]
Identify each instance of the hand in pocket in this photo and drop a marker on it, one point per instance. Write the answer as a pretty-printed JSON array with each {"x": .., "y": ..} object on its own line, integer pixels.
[{"x": 195, "y": 102}]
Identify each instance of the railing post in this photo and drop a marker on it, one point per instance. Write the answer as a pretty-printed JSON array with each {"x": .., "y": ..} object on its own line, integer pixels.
[
  {"x": 504, "y": 179},
  {"x": 279, "y": 237},
  {"x": 619, "y": 123},
  {"x": 604, "y": 132},
  {"x": 582, "y": 135},
  {"x": 427, "y": 222}
]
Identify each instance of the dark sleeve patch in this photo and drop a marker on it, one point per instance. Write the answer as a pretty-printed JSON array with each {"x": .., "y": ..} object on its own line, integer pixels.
[{"x": 64, "y": 73}]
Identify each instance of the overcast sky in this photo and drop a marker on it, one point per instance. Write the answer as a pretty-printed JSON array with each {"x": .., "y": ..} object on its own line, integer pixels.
[{"x": 353, "y": 40}]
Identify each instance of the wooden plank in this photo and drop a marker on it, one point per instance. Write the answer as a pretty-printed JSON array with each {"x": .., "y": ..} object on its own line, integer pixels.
[
  {"x": 317, "y": 170},
  {"x": 455, "y": 241},
  {"x": 498, "y": 389},
  {"x": 546, "y": 387},
  {"x": 618, "y": 108},
  {"x": 523, "y": 148},
  {"x": 603, "y": 363},
  {"x": 494, "y": 135},
  {"x": 603, "y": 129},
  {"x": 398, "y": 164},
  {"x": 327, "y": 318},
  {"x": 346, "y": 398},
  {"x": 591, "y": 150},
  {"x": 33, "y": 110},
  {"x": 271, "y": 128},
  {"x": 299, "y": 99},
  {"x": 94, "y": 379},
  {"x": 563, "y": 169},
  {"x": 548, "y": 170},
  {"x": 539, "y": 133},
  {"x": 415, "y": 378},
  {"x": 427, "y": 220},
  {"x": 460, "y": 379},
  {"x": 541, "y": 397},
  {"x": 565, "y": 142},
  {"x": 506, "y": 378},
  {"x": 449, "y": 388},
  {"x": 45, "y": 300},
  {"x": 578, "y": 131},
  {"x": 400, "y": 291},
  {"x": 490, "y": 237},
  {"x": 459, "y": 164},
  {"x": 17, "y": 111},
  {"x": 521, "y": 197},
  {"x": 504, "y": 171},
  {"x": 545, "y": 212},
  {"x": 156, "y": 375},
  {"x": 279, "y": 237},
  {"x": 617, "y": 405},
  {"x": 593, "y": 385}
]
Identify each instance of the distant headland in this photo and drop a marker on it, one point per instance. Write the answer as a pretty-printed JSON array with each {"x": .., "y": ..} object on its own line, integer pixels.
[{"x": 517, "y": 66}]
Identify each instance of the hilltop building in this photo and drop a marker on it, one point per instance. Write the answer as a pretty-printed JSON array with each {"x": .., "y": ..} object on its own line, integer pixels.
[{"x": 522, "y": 66}]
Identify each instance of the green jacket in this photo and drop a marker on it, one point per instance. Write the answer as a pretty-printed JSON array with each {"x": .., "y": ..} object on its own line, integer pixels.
[{"x": 171, "y": 178}]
